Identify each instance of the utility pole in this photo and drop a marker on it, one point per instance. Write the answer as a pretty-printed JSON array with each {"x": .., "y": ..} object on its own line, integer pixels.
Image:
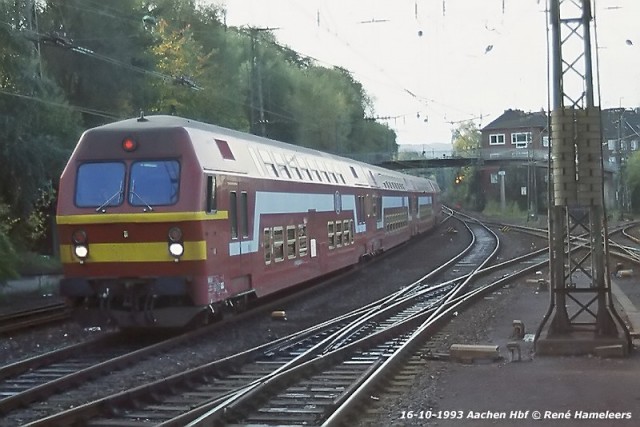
[
  {"x": 256, "y": 85},
  {"x": 621, "y": 159},
  {"x": 31, "y": 15},
  {"x": 581, "y": 315}
]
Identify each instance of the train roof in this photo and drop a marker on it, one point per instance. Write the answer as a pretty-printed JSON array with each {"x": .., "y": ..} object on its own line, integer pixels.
[{"x": 221, "y": 149}]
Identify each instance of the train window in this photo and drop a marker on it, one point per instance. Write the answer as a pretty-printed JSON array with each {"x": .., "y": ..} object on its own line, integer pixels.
[
  {"x": 99, "y": 185},
  {"x": 374, "y": 205},
  {"x": 338, "y": 233},
  {"x": 297, "y": 171},
  {"x": 360, "y": 210},
  {"x": 291, "y": 241},
  {"x": 154, "y": 183},
  {"x": 346, "y": 232},
  {"x": 351, "y": 231},
  {"x": 284, "y": 171},
  {"x": 224, "y": 149},
  {"x": 378, "y": 207},
  {"x": 331, "y": 234},
  {"x": 353, "y": 172},
  {"x": 272, "y": 169},
  {"x": 211, "y": 193},
  {"x": 278, "y": 244},
  {"x": 302, "y": 240},
  {"x": 268, "y": 254},
  {"x": 233, "y": 214},
  {"x": 244, "y": 213}
]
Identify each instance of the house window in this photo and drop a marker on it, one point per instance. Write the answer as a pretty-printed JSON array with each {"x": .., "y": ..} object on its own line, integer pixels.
[
  {"x": 496, "y": 139},
  {"x": 521, "y": 139},
  {"x": 545, "y": 141},
  {"x": 494, "y": 178},
  {"x": 634, "y": 145}
]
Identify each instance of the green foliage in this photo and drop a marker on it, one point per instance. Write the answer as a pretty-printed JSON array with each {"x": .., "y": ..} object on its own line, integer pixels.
[
  {"x": 632, "y": 178},
  {"x": 37, "y": 133},
  {"x": 88, "y": 62},
  {"x": 8, "y": 256},
  {"x": 466, "y": 139},
  {"x": 511, "y": 211}
]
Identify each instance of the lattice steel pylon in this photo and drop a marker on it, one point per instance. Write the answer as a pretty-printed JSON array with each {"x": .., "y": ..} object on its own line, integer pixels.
[{"x": 581, "y": 315}]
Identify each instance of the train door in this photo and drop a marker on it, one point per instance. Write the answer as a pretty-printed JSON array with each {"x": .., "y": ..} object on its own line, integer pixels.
[
  {"x": 239, "y": 219},
  {"x": 240, "y": 239},
  {"x": 413, "y": 221}
]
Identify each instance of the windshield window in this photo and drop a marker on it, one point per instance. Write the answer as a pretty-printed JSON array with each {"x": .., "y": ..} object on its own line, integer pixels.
[
  {"x": 100, "y": 184},
  {"x": 154, "y": 183}
]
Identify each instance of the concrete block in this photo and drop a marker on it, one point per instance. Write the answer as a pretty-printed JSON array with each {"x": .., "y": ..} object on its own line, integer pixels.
[
  {"x": 518, "y": 329},
  {"x": 616, "y": 350},
  {"x": 471, "y": 352}
]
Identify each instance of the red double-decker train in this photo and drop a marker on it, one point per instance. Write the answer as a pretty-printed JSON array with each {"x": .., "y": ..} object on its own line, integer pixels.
[{"x": 164, "y": 221}]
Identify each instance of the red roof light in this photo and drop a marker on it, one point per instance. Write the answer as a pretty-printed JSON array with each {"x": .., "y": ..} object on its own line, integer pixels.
[{"x": 129, "y": 144}]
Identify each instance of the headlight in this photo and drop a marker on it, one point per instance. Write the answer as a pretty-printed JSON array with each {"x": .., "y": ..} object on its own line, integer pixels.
[
  {"x": 81, "y": 251},
  {"x": 176, "y": 249},
  {"x": 175, "y": 234}
]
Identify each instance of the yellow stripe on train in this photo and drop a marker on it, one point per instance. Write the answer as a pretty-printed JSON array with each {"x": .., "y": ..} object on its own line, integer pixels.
[
  {"x": 143, "y": 217},
  {"x": 135, "y": 252}
]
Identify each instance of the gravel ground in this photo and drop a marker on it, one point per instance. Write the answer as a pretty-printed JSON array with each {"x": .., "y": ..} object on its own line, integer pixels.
[{"x": 536, "y": 391}]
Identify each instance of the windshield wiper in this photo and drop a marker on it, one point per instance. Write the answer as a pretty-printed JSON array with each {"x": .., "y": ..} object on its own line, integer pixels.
[
  {"x": 110, "y": 199},
  {"x": 133, "y": 193}
]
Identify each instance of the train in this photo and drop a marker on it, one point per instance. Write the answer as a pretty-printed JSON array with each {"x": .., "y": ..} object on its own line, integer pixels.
[{"x": 167, "y": 222}]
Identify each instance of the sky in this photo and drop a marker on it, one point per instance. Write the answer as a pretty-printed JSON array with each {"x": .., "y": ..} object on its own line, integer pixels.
[{"x": 428, "y": 65}]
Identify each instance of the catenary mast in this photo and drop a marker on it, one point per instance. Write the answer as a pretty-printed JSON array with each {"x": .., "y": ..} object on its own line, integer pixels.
[{"x": 581, "y": 316}]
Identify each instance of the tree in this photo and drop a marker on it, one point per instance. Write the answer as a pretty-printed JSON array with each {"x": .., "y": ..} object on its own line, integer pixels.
[
  {"x": 466, "y": 141},
  {"x": 632, "y": 178},
  {"x": 98, "y": 52},
  {"x": 37, "y": 133}
]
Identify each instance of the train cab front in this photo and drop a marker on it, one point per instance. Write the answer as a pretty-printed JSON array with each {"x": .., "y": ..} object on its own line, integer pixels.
[{"x": 131, "y": 237}]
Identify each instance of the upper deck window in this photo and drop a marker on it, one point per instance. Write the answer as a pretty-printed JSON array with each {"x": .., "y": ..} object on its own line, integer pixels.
[
  {"x": 99, "y": 185},
  {"x": 154, "y": 183},
  {"x": 224, "y": 149}
]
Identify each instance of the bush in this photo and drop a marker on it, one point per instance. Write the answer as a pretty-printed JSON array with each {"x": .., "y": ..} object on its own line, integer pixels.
[
  {"x": 32, "y": 264},
  {"x": 512, "y": 210},
  {"x": 8, "y": 259}
]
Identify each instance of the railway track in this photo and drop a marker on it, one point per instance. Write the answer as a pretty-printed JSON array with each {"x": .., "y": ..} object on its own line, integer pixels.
[
  {"x": 186, "y": 396},
  {"x": 63, "y": 370},
  {"x": 43, "y": 315},
  {"x": 180, "y": 399}
]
